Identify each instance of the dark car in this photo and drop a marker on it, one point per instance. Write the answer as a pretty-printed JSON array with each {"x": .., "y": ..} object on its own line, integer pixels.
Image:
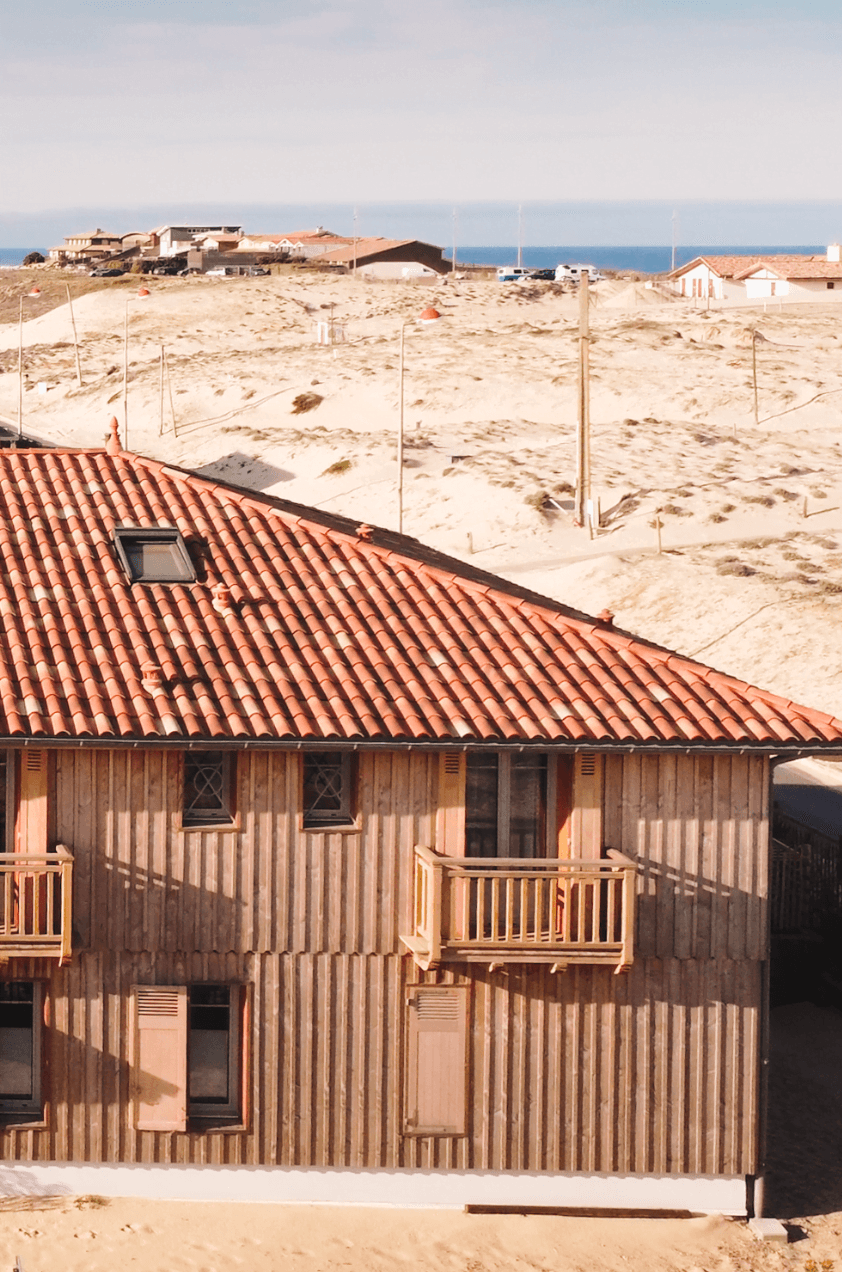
[
  {"x": 104, "y": 272},
  {"x": 257, "y": 271}
]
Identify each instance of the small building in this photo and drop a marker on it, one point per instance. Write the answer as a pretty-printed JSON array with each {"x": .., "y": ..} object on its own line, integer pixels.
[
  {"x": 93, "y": 245},
  {"x": 797, "y": 278},
  {"x": 386, "y": 258},
  {"x": 300, "y": 245},
  {"x": 336, "y": 869},
  {"x": 175, "y": 240},
  {"x": 711, "y": 277}
]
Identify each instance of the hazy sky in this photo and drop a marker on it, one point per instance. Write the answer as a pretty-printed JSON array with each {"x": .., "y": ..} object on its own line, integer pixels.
[{"x": 132, "y": 103}]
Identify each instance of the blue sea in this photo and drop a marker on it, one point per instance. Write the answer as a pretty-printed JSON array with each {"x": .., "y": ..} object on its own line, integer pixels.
[
  {"x": 646, "y": 260},
  {"x": 15, "y": 255}
]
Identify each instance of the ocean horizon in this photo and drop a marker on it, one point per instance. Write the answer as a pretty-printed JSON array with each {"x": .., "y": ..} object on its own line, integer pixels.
[{"x": 643, "y": 259}]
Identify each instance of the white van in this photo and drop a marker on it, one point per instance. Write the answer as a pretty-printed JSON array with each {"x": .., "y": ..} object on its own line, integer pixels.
[
  {"x": 513, "y": 273},
  {"x": 572, "y": 273}
]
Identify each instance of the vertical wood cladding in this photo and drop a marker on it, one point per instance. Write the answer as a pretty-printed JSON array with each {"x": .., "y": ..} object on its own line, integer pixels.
[{"x": 651, "y": 1071}]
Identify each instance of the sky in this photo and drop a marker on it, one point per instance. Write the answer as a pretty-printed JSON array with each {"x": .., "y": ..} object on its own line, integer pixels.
[{"x": 145, "y": 105}]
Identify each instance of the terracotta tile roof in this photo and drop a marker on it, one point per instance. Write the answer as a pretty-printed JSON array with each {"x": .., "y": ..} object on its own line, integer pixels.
[
  {"x": 304, "y": 626},
  {"x": 722, "y": 266},
  {"x": 794, "y": 267},
  {"x": 364, "y": 248}
]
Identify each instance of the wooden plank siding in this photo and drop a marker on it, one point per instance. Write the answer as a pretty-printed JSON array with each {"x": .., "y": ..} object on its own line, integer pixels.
[{"x": 652, "y": 1071}]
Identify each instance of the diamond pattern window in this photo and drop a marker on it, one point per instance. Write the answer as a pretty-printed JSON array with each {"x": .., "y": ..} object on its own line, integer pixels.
[
  {"x": 208, "y": 788},
  {"x": 328, "y": 795},
  {"x": 154, "y": 556}
]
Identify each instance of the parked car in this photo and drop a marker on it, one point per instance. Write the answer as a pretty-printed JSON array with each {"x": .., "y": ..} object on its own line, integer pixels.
[
  {"x": 257, "y": 271},
  {"x": 106, "y": 272},
  {"x": 512, "y": 274},
  {"x": 572, "y": 273}
]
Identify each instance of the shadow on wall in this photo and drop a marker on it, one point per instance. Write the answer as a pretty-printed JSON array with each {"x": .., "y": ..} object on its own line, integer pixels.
[
  {"x": 20, "y": 1189},
  {"x": 245, "y": 470}
]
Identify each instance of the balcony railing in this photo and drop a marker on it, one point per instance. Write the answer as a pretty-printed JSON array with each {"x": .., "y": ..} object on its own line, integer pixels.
[
  {"x": 36, "y": 892},
  {"x": 523, "y": 910}
]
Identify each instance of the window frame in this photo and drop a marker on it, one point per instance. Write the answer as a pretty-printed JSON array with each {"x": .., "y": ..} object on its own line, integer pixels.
[
  {"x": 229, "y": 1112},
  {"x": 229, "y": 820},
  {"x": 123, "y": 535},
  {"x": 29, "y": 1109},
  {"x": 502, "y": 812},
  {"x": 346, "y": 818}
]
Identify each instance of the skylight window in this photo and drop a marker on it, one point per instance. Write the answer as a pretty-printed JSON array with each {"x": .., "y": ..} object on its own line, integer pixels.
[{"x": 154, "y": 556}]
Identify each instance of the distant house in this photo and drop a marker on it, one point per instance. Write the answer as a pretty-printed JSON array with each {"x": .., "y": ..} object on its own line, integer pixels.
[
  {"x": 92, "y": 245},
  {"x": 176, "y": 239},
  {"x": 799, "y": 278},
  {"x": 387, "y": 258},
  {"x": 711, "y": 277}
]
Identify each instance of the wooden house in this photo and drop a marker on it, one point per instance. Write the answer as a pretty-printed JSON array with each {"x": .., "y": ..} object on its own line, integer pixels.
[{"x": 337, "y": 870}]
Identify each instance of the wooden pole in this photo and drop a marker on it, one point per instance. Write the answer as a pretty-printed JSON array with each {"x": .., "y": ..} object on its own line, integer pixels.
[
  {"x": 169, "y": 386},
  {"x": 583, "y": 413},
  {"x": 754, "y": 372},
  {"x": 75, "y": 337},
  {"x": 161, "y": 396},
  {"x": 453, "y": 268},
  {"x": 20, "y": 368},
  {"x": 126, "y": 378},
  {"x": 520, "y": 235},
  {"x": 400, "y": 435}
]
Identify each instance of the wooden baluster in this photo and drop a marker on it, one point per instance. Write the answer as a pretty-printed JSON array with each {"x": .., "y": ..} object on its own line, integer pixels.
[
  {"x": 494, "y": 931},
  {"x": 510, "y": 906}
]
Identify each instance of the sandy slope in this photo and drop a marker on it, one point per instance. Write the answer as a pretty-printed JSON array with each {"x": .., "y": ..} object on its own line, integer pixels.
[{"x": 746, "y": 580}]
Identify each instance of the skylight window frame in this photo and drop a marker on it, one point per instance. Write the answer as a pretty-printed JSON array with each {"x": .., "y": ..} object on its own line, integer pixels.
[{"x": 123, "y": 535}]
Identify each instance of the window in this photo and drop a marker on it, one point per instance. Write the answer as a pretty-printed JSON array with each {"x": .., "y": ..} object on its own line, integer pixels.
[
  {"x": 188, "y": 1055},
  {"x": 506, "y": 805},
  {"x": 20, "y": 1048},
  {"x": 208, "y": 788},
  {"x": 154, "y": 556},
  {"x": 831, "y": 286},
  {"x": 212, "y": 1053},
  {"x": 327, "y": 789}
]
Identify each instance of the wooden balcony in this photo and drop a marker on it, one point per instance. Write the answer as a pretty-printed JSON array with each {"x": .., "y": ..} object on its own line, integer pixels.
[
  {"x": 523, "y": 910},
  {"x": 36, "y": 894}
]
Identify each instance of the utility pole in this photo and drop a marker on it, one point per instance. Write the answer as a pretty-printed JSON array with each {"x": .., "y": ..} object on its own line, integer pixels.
[
  {"x": 400, "y": 436},
  {"x": 355, "y": 242},
  {"x": 20, "y": 369},
  {"x": 583, "y": 476},
  {"x": 519, "y": 235},
  {"x": 754, "y": 373},
  {"x": 455, "y": 222},
  {"x": 75, "y": 338},
  {"x": 674, "y": 236}
]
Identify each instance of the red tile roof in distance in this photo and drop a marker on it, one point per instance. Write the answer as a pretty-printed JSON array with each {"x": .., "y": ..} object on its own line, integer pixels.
[{"x": 304, "y": 626}]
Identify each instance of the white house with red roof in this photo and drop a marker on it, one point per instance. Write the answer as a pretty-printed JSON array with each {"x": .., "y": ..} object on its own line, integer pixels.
[
  {"x": 337, "y": 870},
  {"x": 798, "y": 278}
]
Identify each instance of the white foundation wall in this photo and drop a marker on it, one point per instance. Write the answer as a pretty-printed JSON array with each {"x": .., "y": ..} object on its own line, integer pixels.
[{"x": 449, "y": 1190}]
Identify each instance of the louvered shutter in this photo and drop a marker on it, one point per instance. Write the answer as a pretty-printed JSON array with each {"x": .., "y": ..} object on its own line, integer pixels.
[
  {"x": 587, "y": 806},
  {"x": 159, "y": 1058},
  {"x": 450, "y": 820},
  {"x": 437, "y": 1045},
  {"x": 32, "y": 805}
]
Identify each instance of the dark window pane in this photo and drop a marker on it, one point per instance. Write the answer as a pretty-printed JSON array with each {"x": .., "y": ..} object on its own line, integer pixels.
[
  {"x": 207, "y": 794},
  {"x": 210, "y": 1023},
  {"x": 527, "y": 800},
  {"x": 481, "y": 787},
  {"x": 16, "y": 1041},
  {"x": 327, "y": 788},
  {"x": 154, "y": 556}
]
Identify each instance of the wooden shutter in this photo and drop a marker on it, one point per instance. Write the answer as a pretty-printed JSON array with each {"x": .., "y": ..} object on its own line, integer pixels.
[
  {"x": 32, "y": 805},
  {"x": 450, "y": 819},
  {"x": 437, "y": 1054},
  {"x": 564, "y": 804},
  {"x": 159, "y": 1058},
  {"x": 587, "y": 806}
]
